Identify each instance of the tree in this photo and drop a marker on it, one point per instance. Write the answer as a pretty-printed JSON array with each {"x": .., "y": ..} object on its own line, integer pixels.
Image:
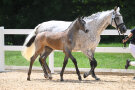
[{"x": 26, "y": 14}]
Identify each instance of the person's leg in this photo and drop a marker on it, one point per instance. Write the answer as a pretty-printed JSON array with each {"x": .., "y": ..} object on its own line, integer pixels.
[
  {"x": 132, "y": 63},
  {"x": 132, "y": 49},
  {"x": 128, "y": 62}
]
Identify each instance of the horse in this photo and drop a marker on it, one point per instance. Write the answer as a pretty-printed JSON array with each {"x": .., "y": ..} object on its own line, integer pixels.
[
  {"x": 49, "y": 41},
  {"x": 86, "y": 42}
]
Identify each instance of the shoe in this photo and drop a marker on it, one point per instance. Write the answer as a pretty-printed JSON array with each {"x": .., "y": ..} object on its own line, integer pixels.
[{"x": 127, "y": 64}]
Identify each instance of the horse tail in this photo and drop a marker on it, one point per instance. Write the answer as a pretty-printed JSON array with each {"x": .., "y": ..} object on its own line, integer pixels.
[{"x": 29, "y": 46}]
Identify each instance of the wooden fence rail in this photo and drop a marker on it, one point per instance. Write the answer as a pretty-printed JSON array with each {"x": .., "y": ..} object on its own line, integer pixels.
[{"x": 4, "y": 47}]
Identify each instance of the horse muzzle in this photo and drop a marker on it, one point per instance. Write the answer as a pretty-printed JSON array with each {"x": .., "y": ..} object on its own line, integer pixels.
[{"x": 123, "y": 29}]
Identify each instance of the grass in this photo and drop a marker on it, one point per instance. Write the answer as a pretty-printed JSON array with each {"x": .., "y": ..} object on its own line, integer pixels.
[
  {"x": 111, "y": 45},
  {"x": 105, "y": 60}
]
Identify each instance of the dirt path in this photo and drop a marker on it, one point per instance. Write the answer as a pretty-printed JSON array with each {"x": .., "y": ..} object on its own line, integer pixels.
[{"x": 17, "y": 81}]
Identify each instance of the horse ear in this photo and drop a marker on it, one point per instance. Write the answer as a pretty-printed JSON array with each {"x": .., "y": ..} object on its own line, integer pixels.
[
  {"x": 82, "y": 21},
  {"x": 79, "y": 18},
  {"x": 118, "y": 9},
  {"x": 82, "y": 17},
  {"x": 115, "y": 8}
]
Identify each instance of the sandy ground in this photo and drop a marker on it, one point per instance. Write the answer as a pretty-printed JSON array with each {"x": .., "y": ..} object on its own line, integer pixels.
[{"x": 17, "y": 81}]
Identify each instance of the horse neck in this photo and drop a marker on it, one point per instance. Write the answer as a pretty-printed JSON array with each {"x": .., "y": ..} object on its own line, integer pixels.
[
  {"x": 72, "y": 31},
  {"x": 103, "y": 21}
]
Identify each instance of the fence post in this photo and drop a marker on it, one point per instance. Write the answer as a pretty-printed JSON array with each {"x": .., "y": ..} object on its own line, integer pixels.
[
  {"x": 2, "y": 55},
  {"x": 51, "y": 62}
]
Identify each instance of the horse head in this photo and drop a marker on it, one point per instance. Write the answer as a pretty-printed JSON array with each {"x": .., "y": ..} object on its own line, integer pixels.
[
  {"x": 82, "y": 24},
  {"x": 117, "y": 21}
]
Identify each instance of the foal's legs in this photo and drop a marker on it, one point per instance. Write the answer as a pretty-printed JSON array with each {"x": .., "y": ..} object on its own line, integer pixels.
[
  {"x": 75, "y": 63},
  {"x": 68, "y": 54},
  {"x": 43, "y": 63},
  {"x": 45, "y": 67},
  {"x": 31, "y": 63},
  {"x": 63, "y": 68}
]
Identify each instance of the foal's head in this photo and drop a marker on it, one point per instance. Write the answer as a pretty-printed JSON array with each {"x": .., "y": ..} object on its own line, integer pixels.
[{"x": 81, "y": 23}]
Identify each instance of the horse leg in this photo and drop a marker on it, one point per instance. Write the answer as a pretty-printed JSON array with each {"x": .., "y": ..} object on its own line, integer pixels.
[
  {"x": 48, "y": 70},
  {"x": 75, "y": 63},
  {"x": 31, "y": 63},
  {"x": 44, "y": 64},
  {"x": 43, "y": 67},
  {"x": 63, "y": 68},
  {"x": 93, "y": 64}
]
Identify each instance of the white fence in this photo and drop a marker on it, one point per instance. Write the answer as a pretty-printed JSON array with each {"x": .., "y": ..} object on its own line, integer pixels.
[{"x": 4, "y": 47}]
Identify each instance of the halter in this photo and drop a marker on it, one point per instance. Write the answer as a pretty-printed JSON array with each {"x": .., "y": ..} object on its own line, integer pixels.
[
  {"x": 114, "y": 19},
  {"x": 118, "y": 26}
]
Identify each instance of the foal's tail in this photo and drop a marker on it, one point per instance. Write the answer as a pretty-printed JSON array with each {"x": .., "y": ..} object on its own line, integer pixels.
[{"x": 29, "y": 46}]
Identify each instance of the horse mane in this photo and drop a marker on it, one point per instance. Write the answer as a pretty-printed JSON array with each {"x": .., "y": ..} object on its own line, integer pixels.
[
  {"x": 70, "y": 26},
  {"x": 95, "y": 15}
]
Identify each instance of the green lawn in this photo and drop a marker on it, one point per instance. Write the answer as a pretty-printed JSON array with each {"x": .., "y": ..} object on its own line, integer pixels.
[
  {"x": 105, "y": 60},
  {"x": 111, "y": 45}
]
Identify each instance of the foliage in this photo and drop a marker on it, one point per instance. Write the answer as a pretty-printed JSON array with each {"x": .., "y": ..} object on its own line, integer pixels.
[
  {"x": 29, "y": 13},
  {"x": 25, "y": 14}
]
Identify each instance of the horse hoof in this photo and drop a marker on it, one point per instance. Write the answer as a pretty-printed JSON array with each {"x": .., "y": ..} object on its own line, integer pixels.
[
  {"x": 28, "y": 79},
  {"x": 85, "y": 75},
  {"x": 50, "y": 78},
  {"x": 80, "y": 78},
  {"x": 61, "y": 80},
  {"x": 45, "y": 76},
  {"x": 98, "y": 79}
]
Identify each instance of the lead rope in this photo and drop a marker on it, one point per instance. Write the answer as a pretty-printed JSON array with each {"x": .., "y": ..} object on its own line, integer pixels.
[{"x": 124, "y": 44}]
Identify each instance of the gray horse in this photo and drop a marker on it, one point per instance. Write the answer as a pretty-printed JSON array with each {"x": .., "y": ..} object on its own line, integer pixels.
[
  {"x": 49, "y": 41},
  {"x": 86, "y": 42}
]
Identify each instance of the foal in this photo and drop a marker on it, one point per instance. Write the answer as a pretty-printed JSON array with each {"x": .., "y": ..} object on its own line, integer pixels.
[{"x": 47, "y": 42}]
